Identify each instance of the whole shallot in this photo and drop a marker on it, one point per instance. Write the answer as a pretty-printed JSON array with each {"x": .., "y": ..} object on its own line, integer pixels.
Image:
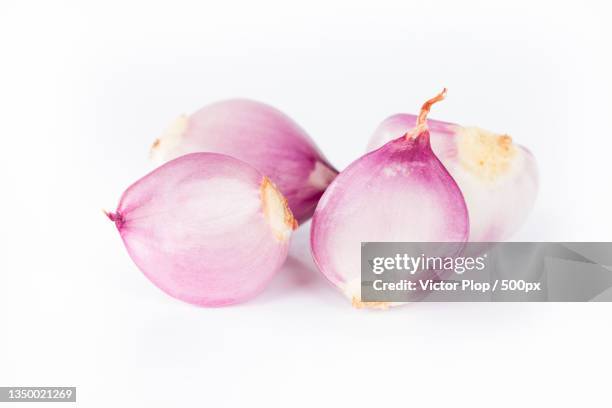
[
  {"x": 260, "y": 135},
  {"x": 399, "y": 192},
  {"x": 206, "y": 228}
]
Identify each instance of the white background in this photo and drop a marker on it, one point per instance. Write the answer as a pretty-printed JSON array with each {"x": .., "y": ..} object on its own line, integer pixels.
[{"x": 84, "y": 90}]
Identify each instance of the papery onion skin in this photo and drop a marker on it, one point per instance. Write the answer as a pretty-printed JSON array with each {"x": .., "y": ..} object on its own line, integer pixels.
[
  {"x": 260, "y": 135},
  {"x": 400, "y": 192},
  {"x": 498, "y": 178},
  {"x": 206, "y": 228}
]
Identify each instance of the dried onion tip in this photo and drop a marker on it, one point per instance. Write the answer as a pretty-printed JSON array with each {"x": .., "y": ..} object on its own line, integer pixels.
[
  {"x": 400, "y": 192},
  {"x": 206, "y": 228},
  {"x": 260, "y": 135}
]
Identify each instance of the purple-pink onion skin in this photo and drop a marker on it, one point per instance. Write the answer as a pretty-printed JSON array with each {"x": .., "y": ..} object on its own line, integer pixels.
[
  {"x": 260, "y": 135},
  {"x": 498, "y": 178},
  {"x": 400, "y": 192},
  {"x": 205, "y": 228}
]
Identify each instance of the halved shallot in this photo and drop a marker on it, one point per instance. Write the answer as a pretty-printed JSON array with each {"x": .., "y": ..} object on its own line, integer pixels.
[
  {"x": 260, "y": 135},
  {"x": 206, "y": 228}
]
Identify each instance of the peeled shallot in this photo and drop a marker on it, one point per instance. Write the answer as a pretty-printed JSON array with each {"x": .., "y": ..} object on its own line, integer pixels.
[
  {"x": 260, "y": 135},
  {"x": 399, "y": 192},
  {"x": 206, "y": 228}
]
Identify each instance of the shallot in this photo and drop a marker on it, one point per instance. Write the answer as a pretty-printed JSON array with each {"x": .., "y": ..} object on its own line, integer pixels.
[
  {"x": 260, "y": 135},
  {"x": 400, "y": 192},
  {"x": 498, "y": 178},
  {"x": 206, "y": 228}
]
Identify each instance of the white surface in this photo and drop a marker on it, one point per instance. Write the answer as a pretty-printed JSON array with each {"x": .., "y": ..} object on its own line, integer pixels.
[{"x": 84, "y": 90}]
